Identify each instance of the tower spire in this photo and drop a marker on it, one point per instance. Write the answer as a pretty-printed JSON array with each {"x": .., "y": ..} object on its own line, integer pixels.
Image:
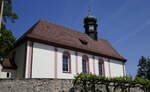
[{"x": 90, "y": 25}]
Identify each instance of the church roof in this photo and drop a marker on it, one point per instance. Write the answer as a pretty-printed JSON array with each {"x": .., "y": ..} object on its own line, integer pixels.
[{"x": 59, "y": 36}]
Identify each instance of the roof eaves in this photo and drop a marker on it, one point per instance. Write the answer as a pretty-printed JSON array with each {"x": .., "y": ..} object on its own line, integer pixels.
[{"x": 74, "y": 48}]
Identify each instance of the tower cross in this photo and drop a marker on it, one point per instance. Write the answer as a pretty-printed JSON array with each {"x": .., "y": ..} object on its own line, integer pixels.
[{"x": 89, "y": 11}]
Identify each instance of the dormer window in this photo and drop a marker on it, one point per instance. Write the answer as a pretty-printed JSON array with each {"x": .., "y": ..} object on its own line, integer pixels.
[{"x": 84, "y": 42}]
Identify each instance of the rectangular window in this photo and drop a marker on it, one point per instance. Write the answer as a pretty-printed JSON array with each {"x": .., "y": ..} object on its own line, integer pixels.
[
  {"x": 8, "y": 75},
  {"x": 65, "y": 64},
  {"x": 84, "y": 66},
  {"x": 100, "y": 66}
]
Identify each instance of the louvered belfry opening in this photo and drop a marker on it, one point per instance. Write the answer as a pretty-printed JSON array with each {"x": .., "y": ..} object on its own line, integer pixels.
[{"x": 90, "y": 25}]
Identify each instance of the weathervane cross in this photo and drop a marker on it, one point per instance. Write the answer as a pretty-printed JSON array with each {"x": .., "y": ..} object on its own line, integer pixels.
[{"x": 89, "y": 11}]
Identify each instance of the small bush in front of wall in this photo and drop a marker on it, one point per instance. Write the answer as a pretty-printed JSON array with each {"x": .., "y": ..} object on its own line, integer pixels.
[{"x": 89, "y": 82}]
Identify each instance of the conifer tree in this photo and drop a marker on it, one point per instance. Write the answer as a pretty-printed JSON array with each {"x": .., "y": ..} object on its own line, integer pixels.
[{"x": 144, "y": 68}]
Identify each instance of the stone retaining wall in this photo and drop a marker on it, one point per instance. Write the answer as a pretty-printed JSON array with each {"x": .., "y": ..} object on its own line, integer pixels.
[{"x": 42, "y": 85}]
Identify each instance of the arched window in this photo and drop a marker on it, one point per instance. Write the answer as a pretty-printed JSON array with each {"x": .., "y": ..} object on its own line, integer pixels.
[
  {"x": 66, "y": 66},
  {"x": 85, "y": 64},
  {"x": 101, "y": 66}
]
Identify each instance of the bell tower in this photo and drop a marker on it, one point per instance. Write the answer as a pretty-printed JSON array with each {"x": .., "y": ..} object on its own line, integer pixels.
[{"x": 90, "y": 25}]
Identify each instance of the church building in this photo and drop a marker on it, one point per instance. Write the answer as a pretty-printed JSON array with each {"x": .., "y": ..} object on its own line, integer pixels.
[{"x": 48, "y": 50}]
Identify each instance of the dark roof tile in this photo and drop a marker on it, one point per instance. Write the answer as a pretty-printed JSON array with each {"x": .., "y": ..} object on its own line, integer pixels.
[{"x": 49, "y": 32}]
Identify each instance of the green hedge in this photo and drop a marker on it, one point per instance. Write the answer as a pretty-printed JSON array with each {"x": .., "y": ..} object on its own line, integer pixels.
[{"x": 86, "y": 81}]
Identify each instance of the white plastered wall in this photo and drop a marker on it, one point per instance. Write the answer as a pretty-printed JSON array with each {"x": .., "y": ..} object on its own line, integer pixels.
[
  {"x": 107, "y": 67},
  {"x": 116, "y": 68},
  {"x": 44, "y": 58},
  {"x": 42, "y": 61},
  {"x": 60, "y": 73},
  {"x": 90, "y": 57},
  {"x": 2, "y": 74}
]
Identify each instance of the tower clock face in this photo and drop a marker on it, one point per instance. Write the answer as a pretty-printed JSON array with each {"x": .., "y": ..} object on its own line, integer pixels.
[{"x": 91, "y": 28}]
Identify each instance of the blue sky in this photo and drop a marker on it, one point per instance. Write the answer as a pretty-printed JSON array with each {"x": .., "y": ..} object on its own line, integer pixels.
[{"x": 124, "y": 23}]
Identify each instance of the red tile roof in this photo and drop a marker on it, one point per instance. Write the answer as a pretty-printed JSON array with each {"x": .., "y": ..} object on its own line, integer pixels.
[
  {"x": 8, "y": 64},
  {"x": 53, "y": 34}
]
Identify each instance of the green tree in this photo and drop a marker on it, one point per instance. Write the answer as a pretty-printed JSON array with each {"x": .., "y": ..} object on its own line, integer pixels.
[
  {"x": 6, "y": 41},
  {"x": 8, "y": 12},
  {"x": 144, "y": 68},
  {"x": 6, "y": 37}
]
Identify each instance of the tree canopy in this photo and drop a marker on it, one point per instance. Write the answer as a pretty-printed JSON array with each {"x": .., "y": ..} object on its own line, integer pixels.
[
  {"x": 8, "y": 13},
  {"x": 6, "y": 37},
  {"x": 6, "y": 41},
  {"x": 144, "y": 68}
]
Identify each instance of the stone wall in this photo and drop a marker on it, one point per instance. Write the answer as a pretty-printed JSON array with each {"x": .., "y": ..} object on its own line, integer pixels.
[{"x": 43, "y": 85}]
